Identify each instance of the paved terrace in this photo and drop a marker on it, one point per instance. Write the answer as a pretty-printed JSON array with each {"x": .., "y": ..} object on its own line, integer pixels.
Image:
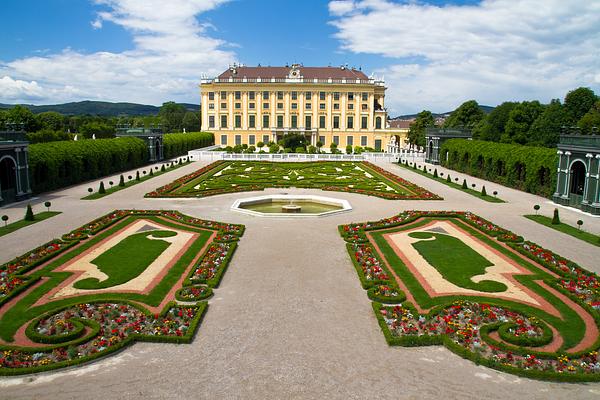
[{"x": 290, "y": 319}]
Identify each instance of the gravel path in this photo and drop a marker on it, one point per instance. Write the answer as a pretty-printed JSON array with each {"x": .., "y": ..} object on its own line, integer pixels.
[{"x": 290, "y": 319}]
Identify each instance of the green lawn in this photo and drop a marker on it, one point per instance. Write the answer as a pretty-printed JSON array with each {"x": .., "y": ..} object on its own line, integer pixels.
[
  {"x": 488, "y": 197},
  {"x": 355, "y": 177},
  {"x": 118, "y": 263},
  {"x": 110, "y": 190},
  {"x": 5, "y": 230},
  {"x": 455, "y": 261},
  {"x": 568, "y": 229}
]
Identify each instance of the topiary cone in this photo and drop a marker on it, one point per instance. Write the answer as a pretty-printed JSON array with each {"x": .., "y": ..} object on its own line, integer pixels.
[
  {"x": 555, "y": 217},
  {"x": 101, "y": 189},
  {"x": 29, "y": 214},
  {"x": 122, "y": 180}
]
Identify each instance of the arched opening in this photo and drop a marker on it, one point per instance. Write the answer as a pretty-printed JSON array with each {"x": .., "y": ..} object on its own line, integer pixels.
[
  {"x": 577, "y": 178},
  {"x": 158, "y": 150},
  {"x": 430, "y": 149},
  {"x": 8, "y": 179},
  {"x": 378, "y": 123}
]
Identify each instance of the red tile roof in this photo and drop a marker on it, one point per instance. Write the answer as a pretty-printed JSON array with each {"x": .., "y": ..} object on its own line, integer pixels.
[
  {"x": 305, "y": 72},
  {"x": 400, "y": 123}
]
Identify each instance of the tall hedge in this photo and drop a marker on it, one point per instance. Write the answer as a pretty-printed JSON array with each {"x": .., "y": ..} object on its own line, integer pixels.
[
  {"x": 527, "y": 168},
  {"x": 177, "y": 144},
  {"x": 58, "y": 164}
]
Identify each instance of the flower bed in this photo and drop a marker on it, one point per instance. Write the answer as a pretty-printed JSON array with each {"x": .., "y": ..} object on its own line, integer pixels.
[
  {"x": 86, "y": 329},
  {"x": 362, "y": 178},
  {"x": 504, "y": 334}
]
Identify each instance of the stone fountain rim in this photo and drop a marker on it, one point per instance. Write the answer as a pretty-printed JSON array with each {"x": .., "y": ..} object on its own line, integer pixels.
[{"x": 345, "y": 204}]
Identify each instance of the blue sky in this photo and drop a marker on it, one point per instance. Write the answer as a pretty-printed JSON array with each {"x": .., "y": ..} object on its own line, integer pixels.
[{"x": 433, "y": 54}]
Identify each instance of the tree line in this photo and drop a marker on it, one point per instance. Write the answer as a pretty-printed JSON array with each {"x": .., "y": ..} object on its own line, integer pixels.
[
  {"x": 526, "y": 123},
  {"x": 52, "y": 126}
]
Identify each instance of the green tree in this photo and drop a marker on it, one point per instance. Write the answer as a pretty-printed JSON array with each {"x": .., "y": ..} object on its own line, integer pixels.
[
  {"x": 29, "y": 214},
  {"x": 555, "y": 217},
  {"x": 23, "y": 115},
  {"x": 50, "y": 120},
  {"x": 492, "y": 126},
  {"x": 468, "y": 115},
  {"x": 520, "y": 120},
  {"x": 97, "y": 130},
  {"x": 101, "y": 189},
  {"x": 416, "y": 132},
  {"x": 578, "y": 102},
  {"x": 590, "y": 119},
  {"x": 293, "y": 141},
  {"x": 191, "y": 122},
  {"x": 171, "y": 116},
  {"x": 545, "y": 130}
]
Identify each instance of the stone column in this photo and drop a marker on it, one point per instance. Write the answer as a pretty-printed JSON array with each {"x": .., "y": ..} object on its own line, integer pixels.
[
  {"x": 567, "y": 175},
  {"x": 558, "y": 173},
  {"x": 18, "y": 170},
  {"x": 587, "y": 178}
]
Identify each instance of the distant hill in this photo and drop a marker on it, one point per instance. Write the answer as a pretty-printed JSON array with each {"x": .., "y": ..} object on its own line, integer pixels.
[
  {"x": 486, "y": 109},
  {"x": 101, "y": 108}
]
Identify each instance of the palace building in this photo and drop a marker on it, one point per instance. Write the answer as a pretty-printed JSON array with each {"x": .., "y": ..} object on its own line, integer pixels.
[{"x": 341, "y": 105}]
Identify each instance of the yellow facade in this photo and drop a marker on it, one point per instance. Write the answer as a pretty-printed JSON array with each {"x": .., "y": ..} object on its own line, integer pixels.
[{"x": 242, "y": 110}]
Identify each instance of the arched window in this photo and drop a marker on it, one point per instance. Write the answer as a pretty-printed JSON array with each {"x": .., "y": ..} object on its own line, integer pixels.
[
  {"x": 378, "y": 123},
  {"x": 577, "y": 178}
]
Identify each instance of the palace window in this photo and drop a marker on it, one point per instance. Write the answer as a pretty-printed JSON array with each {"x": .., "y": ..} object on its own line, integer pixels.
[
  {"x": 238, "y": 106},
  {"x": 238, "y": 139},
  {"x": 350, "y": 96},
  {"x": 336, "y": 95},
  {"x": 307, "y": 121},
  {"x": 251, "y": 139},
  {"x": 238, "y": 95},
  {"x": 279, "y": 95},
  {"x": 280, "y": 106},
  {"x": 336, "y": 122},
  {"x": 252, "y": 121},
  {"x": 265, "y": 123},
  {"x": 321, "y": 122},
  {"x": 363, "y": 141},
  {"x": 211, "y": 106},
  {"x": 265, "y": 139},
  {"x": 211, "y": 95},
  {"x": 251, "y": 95},
  {"x": 308, "y": 106},
  {"x": 321, "y": 95},
  {"x": 349, "y": 140},
  {"x": 294, "y": 106},
  {"x": 266, "y": 106},
  {"x": 336, "y": 106},
  {"x": 280, "y": 121},
  {"x": 294, "y": 121},
  {"x": 265, "y": 95},
  {"x": 363, "y": 122},
  {"x": 322, "y": 140},
  {"x": 350, "y": 123},
  {"x": 211, "y": 121},
  {"x": 365, "y": 96},
  {"x": 223, "y": 121},
  {"x": 308, "y": 95},
  {"x": 378, "y": 123},
  {"x": 364, "y": 106},
  {"x": 238, "y": 121},
  {"x": 223, "y": 105},
  {"x": 294, "y": 95},
  {"x": 350, "y": 106},
  {"x": 321, "y": 106},
  {"x": 251, "y": 106},
  {"x": 223, "y": 95},
  {"x": 224, "y": 139},
  {"x": 336, "y": 140}
]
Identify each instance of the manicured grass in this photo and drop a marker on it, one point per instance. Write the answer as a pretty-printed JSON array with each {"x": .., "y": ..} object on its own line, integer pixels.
[
  {"x": 489, "y": 197},
  {"x": 132, "y": 182},
  {"x": 5, "y": 230},
  {"x": 118, "y": 263},
  {"x": 568, "y": 229},
  {"x": 455, "y": 261},
  {"x": 236, "y": 176}
]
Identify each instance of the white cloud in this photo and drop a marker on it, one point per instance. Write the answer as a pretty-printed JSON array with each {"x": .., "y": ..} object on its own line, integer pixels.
[
  {"x": 17, "y": 89},
  {"x": 171, "y": 51},
  {"x": 495, "y": 51}
]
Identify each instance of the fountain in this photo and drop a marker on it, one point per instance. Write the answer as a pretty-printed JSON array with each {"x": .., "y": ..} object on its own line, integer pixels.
[{"x": 291, "y": 206}]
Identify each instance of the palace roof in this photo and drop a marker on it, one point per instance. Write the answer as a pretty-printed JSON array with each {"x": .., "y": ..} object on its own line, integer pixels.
[{"x": 284, "y": 72}]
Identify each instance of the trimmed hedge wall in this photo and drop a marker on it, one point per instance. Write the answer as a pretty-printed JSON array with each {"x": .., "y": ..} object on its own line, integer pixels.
[
  {"x": 177, "y": 144},
  {"x": 527, "y": 168},
  {"x": 58, "y": 164}
]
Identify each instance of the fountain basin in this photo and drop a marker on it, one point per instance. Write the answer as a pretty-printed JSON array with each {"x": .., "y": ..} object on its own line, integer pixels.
[{"x": 291, "y": 206}]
